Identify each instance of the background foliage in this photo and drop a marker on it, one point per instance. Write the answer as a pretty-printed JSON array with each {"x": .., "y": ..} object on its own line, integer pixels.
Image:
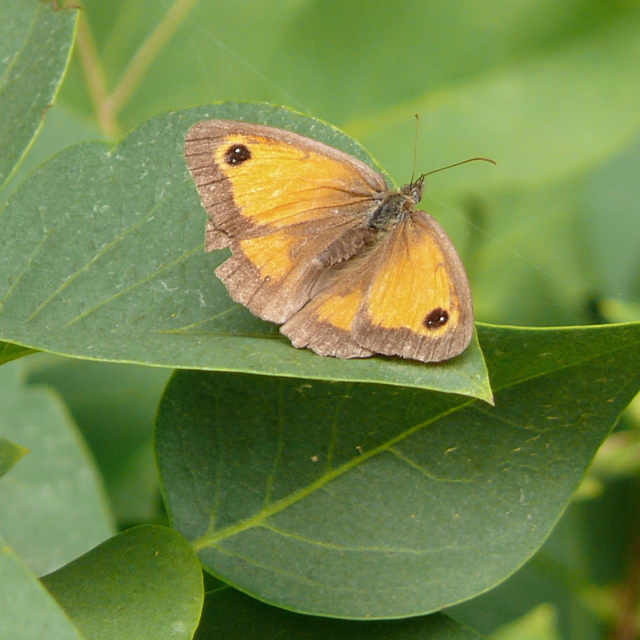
[{"x": 549, "y": 237}]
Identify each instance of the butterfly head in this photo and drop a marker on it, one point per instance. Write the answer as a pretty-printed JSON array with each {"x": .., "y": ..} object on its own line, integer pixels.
[
  {"x": 396, "y": 206},
  {"x": 414, "y": 190}
]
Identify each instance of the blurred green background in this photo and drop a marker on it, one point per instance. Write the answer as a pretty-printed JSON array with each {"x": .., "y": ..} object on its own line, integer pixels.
[{"x": 550, "y": 236}]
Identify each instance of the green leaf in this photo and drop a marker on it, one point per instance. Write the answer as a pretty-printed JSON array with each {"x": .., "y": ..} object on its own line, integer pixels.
[
  {"x": 230, "y": 614},
  {"x": 27, "y": 610},
  {"x": 52, "y": 503},
  {"x": 125, "y": 397},
  {"x": 364, "y": 501},
  {"x": 35, "y": 47},
  {"x": 105, "y": 260},
  {"x": 145, "y": 583},
  {"x": 539, "y": 624},
  {"x": 9, "y": 352},
  {"x": 559, "y": 574},
  {"x": 10, "y": 453}
]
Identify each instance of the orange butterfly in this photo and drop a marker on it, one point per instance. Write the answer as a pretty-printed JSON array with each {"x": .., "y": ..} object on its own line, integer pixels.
[{"x": 322, "y": 246}]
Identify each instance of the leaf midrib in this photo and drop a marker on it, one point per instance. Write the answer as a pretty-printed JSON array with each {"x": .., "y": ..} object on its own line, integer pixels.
[{"x": 211, "y": 539}]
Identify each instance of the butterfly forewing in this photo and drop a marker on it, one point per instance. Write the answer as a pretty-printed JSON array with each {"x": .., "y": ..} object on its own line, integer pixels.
[{"x": 282, "y": 199}]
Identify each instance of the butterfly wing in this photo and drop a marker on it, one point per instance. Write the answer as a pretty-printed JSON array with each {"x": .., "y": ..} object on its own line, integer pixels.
[
  {"x": 418, "y": 304},
  {"x": 408, "y": 296},
  {"x": 287, "y": 205},
  {"x": 325, "y": 323}
]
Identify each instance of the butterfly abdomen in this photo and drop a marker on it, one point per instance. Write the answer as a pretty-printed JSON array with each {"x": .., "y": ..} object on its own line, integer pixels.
[{"x": 344, "y": 248}]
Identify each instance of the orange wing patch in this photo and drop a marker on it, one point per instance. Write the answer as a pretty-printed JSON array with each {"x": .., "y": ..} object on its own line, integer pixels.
[
  {"x": 273, "y": 188},
  {"x": 339, "y": 310},
  {"x": 324, "y": 325},
  {"x": 279, "y": 200},
  {"x": 419, "y": 304},
  {"x": 405, "y": 296},
  {"x": 271, "y": 254},
  {"x": 412, "y": 282}
]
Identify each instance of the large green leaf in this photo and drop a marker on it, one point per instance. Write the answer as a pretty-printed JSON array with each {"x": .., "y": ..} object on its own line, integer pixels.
[
  {"x": 356, "y": 501},
  {"x": 145, "y": 583},
  {"x": 558, "y": 574},
  {"x": 26, "y": 609},
  {"x": 229, "y": 614},
  {"x": 104, "y": 259},
  {"x": 35, "y": 46},
  {"x": 52, "y": 504}
]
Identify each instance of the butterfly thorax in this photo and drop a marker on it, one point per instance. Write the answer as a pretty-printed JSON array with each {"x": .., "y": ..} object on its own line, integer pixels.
[
  {"x": 397, "y": 205},
  {"x": 394, "y": 207}
]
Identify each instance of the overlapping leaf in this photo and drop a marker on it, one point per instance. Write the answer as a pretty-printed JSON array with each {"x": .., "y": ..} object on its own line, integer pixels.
[
  {"x": 10, "y": 352},
  {"x": 366, "y": 501},
  {"x": 104, "y": 259},
  {"x": 144, "y": 583},
  {"x": 35, "y": 46},
  {"x": 124, "y": 397},
  {"x": 230, "y": 614},
  {"x": 27, "y": 610},
  {"x": 10, "y": 453},
  {"x": 52, "y": 504}
]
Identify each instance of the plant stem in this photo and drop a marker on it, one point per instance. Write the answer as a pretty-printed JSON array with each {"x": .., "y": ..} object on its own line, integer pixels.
[
  {"x": 145, "y": 55},
  {"x": 107, "y": 104},
  {"x": 95, "y": 78}
]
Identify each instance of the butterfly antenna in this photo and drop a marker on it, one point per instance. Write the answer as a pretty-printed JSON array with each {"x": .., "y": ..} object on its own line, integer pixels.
[
  {"x": 455, "y": 164},
  {"x": 415, "y": 148}
]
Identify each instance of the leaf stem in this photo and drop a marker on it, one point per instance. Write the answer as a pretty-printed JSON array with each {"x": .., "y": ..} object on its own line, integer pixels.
[
  {"x": 145, "y": 55},
  {"x": 107, "y": 104},
  {"x": 95, "y": 78}
]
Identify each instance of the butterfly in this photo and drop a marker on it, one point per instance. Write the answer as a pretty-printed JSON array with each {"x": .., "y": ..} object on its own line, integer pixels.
[{"x": 322, "y": 246}]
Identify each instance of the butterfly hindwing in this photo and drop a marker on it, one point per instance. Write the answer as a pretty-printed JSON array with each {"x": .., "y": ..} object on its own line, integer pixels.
[
  {"x": 418, "y": 304},
  {"x": 408, "y": 296}
]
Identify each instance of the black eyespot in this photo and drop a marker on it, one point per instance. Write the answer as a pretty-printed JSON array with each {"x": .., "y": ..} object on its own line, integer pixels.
[
  {"x": 237, "y": 154},
  {"x": 436, "y": 319}
]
